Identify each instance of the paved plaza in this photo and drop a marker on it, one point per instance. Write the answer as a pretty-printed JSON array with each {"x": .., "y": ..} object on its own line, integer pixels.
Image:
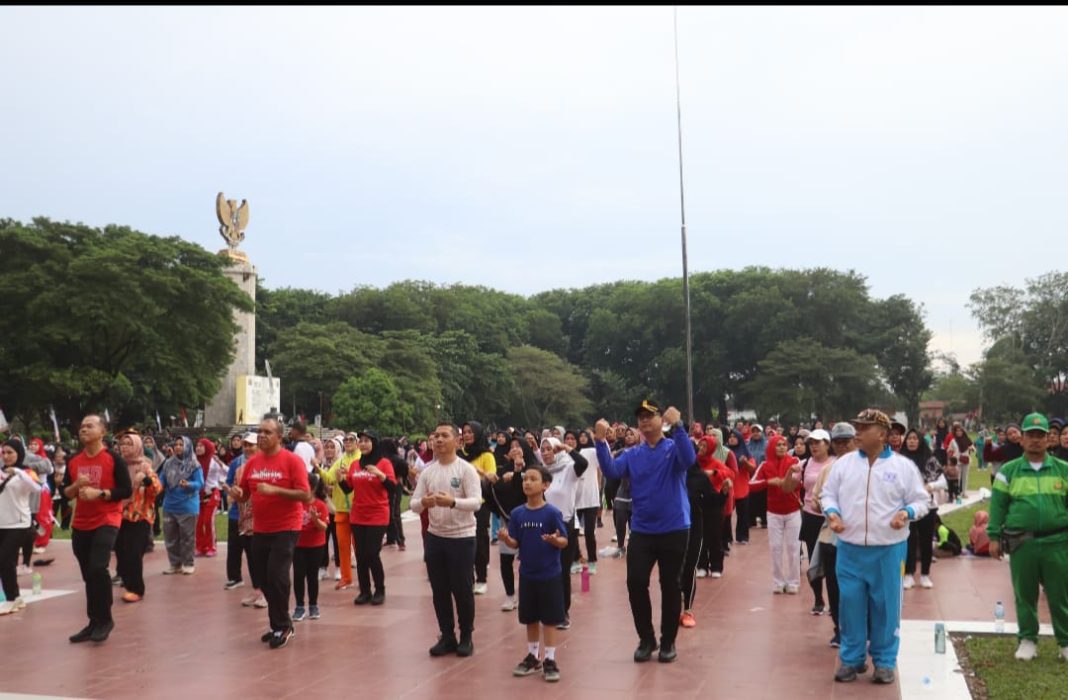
[{"x": 190, "y": 638}]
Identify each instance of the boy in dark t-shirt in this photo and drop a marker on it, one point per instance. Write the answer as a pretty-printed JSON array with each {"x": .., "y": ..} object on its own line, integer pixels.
[{"x": 537, "y": 530}]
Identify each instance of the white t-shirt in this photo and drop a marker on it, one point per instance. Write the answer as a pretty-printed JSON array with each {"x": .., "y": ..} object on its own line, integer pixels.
[
  {"x": 588, "y": 494},
  {"x": 306, "y": 452}
]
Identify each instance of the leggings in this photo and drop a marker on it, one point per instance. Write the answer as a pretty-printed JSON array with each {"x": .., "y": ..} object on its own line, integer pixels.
[
  {"x": 921, "y": 535},
  {"x": 811, "y": 525},
  {"x": 711, "y": 534},
  {"x": 829, "y": 557},
  {"x": 369, "y": 557},
  {"x": 306, "y": 561},
  {"x": 741, "y": 528},
  {"x": 508, "y": 573},
  {"x": 695, "y": 546},
  {"x": 621, "y": 517},
  {"x": 588, "y": 518}
]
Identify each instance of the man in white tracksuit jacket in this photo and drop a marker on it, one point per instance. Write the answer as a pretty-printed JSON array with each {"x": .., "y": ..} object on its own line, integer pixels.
[{"x": 869, "y": 499}]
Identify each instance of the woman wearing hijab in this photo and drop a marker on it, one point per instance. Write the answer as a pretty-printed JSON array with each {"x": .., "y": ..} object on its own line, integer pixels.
[
  {"x": 477, "y": 454},
  {"x": 566, "y": 466},
  {"x": 958, "y": 447},
  {"x": 371, "y": 483},
  {"x": 334, "y": 477},
  {"x": 727, "y": 457},
  {"x": 780, "y": 476},
  {"x": 16, "y": 488},
  {"x": 507, "y": 495},
  {"x": 210, "y": 495},
  {"x": 746, "y": 468},
  {"x": 182, "y": 478},
  {"x": 138, "y": 513},
  {"x": 921, "y": 532},
  {"x": 721, "y": 478}
]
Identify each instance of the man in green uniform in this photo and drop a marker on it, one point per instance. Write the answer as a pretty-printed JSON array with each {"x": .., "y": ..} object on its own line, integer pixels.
[{"x": 1029, "y": 508}]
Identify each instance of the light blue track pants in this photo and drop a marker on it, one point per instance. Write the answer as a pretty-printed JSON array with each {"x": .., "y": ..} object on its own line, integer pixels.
[{"x": 869, "y": 607}]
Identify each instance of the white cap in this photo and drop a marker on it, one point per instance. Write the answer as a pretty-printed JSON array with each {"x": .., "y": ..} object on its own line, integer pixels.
[
  {"x": 819, "y": 434},
  {"x": 250, "y": 438}
]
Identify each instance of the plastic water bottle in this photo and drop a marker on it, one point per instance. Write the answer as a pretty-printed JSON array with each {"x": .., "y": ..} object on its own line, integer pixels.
[
  {"x": 940, "y": 638},
  {"x": 585, "y": 578},
  {"x": 38, "y": 581},
  {"x": 999, "y": 618}
]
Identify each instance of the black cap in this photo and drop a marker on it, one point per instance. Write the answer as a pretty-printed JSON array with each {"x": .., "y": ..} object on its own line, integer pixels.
[
  {"x": 647, "y": 405},
  {"x": 369, "y": 433}
]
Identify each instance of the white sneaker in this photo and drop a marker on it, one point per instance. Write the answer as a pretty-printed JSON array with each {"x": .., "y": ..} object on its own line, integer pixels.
[
  {"x": 1027, "y": 650},
  {"x": 480, "y": 588},
  {"x": 792, "y": 590},
  {"x": 7, "y": 607},
  {"x": 19, "y": 603},
  {"x": 251, "y": 600},
  {"x": 702, "y": 573},
  {"x": 323, "y": 572},
  {"x": 509, "y": 605},
  {"x": 910, "y": 581},
  {"x": 926, "y": 582},
  {"x": 172, "y": 570},
  {"x": 615, "y": 538},
  {"x": 1064, "y": 653},
  {"x": 260, "y": 602},
  {"x": 337, "y": 575},
  {"x": 38, "y": 550},
  {"x": 716, "y": 574},
  {"x": 23, "y": 570},
  {"x": 576, "y": 567},
  {"x": 188, "y": 570},
  {"x": 778, "y": 589}
]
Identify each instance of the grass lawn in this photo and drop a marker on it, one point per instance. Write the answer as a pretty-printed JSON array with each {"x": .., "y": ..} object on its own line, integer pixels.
[{"x": 998, "y": 676}]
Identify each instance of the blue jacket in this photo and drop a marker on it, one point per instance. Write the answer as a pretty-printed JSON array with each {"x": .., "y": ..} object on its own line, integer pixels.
[
  {"x": 184, "y": 500},
  {"x": 230, "y": 474},
  {"x": 657, "y": 481}
]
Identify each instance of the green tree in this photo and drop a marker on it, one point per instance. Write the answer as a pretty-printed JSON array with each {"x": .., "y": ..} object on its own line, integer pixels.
[
  {"x": 801, "y": 379},
  {"x": 548, "y": 389},
  {"x": 280, "y": 310},
  {"x": 111, "y": 318},
  {"x": 312, "y": 360},
  {"x": 372, "y": 401}
]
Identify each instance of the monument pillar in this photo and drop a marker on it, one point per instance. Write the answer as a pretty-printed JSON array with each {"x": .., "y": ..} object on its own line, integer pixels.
[{"x": 222, "y": 410}]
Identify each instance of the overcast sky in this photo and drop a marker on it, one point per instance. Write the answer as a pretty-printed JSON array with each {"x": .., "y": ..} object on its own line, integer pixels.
[{"x": 527, "y": 149}]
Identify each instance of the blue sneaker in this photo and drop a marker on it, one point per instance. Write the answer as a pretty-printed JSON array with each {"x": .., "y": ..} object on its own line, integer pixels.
[
  {"x": 313, "y": 612},
  {"x": 298, "y": 613}
]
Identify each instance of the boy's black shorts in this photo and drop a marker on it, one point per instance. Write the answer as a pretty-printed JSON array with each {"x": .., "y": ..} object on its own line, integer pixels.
[{"x": 541, "y": 601}]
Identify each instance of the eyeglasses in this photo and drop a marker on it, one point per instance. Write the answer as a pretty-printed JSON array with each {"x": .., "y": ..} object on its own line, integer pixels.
[{"x": 348, "y": 439}]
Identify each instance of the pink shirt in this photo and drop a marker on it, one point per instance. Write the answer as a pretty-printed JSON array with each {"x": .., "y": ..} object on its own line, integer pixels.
[{"x": 812, "y": 471}]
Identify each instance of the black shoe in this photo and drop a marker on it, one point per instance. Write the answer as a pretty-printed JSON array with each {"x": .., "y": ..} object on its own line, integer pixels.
[
  {"x": 884, "y": 676},
  {"x": 836, "y": 640},
  {"x": 466, "y": 647},
  {"x": 445, "y": 645},
  {"x": 362, "y": 599},
  {"x": 266, "y": 637},
  {"x": 818, "y": 609},
  {"x": 566, "y": 624},
  {"x": 83, "y": 635},
  {"x": 100, "y": 634},
  {"x": 379, "y": 597},
  {"x": 645, "y": 650},
  {"x": 280, "y": 639},
  {"x": 550, "y": 671},
  {"x": 527, "y": 666},
  {"x": 667, "y": 653}
]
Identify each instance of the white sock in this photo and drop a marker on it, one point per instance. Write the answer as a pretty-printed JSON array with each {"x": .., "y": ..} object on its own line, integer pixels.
[
  {"x": 532, "y": 647},
  {"x": 550, "y": 653}
]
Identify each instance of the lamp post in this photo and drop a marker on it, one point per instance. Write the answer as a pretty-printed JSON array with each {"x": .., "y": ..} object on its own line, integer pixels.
[{"x": 682, "y": 210}]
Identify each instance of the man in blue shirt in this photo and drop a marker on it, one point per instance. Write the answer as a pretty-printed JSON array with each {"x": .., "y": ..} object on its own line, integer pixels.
[{"x": 660, "y": 521}]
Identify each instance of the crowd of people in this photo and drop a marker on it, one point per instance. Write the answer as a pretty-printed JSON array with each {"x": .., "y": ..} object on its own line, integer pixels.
[{"x": 858, "y": 502}]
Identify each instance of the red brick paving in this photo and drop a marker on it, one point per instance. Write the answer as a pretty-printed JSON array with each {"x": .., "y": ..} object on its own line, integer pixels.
[{"x": 191, "y": 638}]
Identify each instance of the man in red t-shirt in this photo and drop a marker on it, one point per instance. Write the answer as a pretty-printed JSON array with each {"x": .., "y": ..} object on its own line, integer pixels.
[
  {"x": 100, "y": 480},
  {"x": 277, "y": 482}
]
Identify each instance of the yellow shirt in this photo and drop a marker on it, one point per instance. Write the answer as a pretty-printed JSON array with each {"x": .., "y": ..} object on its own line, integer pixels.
[{"x": 342, "y": 501}]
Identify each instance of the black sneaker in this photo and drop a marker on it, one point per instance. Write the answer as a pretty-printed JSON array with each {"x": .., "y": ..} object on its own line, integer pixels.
[
  {"x": 848, "y": 674},
  {"x": 667, "y": 653},
  {"x": 100, "y": 634},
  {"x": 818, "y": 609},
  {"x": 445, "y": 645},
  {"x": 231, "y": 585},
  {"x": 362, "y": 599},
  {"x": 645, "y": 650},
  {"x": 83, "y": 635},
  {"x": 566, "y": 624},
  {"x": 550, "y": 671},
  {"x": 466, "y": 647},
  {"x": 116, "y": 580},
  {"x": 266, "y": 637},
  {"x": 280, "y": 639},
  {"x": 836, "y": 640},
  {"x": 379, "y": 597},
  {"x": 527, "y": 666}
]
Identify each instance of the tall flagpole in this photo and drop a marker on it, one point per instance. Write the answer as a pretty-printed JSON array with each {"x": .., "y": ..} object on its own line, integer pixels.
[{"x": 682, "y": 209}]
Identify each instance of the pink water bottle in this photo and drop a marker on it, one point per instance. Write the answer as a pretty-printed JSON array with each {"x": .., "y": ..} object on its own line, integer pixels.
[{"x": 585, "y": 578}]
